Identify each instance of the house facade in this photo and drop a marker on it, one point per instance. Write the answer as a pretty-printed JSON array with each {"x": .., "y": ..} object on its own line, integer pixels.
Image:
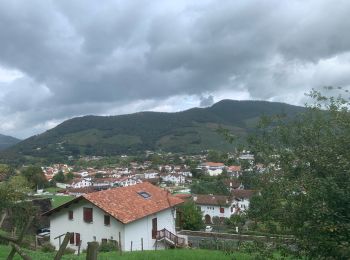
[
  {"x": 130, "y": 216},
  {"x": 213, "y": 168},
  {"x": 215, "y": 206},
  {"x": 81, "y": 183},
  {"x": 174, "y": 178},
  {"x": 223, "y": 206}
]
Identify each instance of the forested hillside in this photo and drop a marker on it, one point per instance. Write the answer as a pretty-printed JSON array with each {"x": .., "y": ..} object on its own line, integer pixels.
[
  {"x": 7, "y": 141},
  {"x": 188, "y": 131}
]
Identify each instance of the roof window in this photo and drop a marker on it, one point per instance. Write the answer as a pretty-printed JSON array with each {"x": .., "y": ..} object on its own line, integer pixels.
[{"x": 144, "y": 194}]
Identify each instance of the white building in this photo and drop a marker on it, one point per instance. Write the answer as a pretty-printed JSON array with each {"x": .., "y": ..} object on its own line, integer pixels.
[
  {"x": 213, "y": 168},
  {"x": 128, "y": 181},
  {"x": 80, "y": 183},
  {"x": 141, "y": 212},
  {"x": 174, "y": 178},
  {"x": 242, "y": 198},
  {"x": 215, "y": 206},
  {"x": 223, "y": 206},
  {"x": 150, "y": 175}
]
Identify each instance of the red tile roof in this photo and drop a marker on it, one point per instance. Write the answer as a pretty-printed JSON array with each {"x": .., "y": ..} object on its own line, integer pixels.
[
  {"x": 183, "y": 196},
  {"x": 214, "y": 164},
  {"x": 216, "y": 200},
  {"x": 243, "y": 193},
  {"x": 232, "y": 183},
  {"x": 234, "y": 168},
  {"x": 127, "y": 205}
]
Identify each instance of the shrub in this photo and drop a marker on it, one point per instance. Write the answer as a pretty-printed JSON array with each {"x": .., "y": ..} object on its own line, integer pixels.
[
  {"x": 69, "y": 251},
  {"x": 108, "y": 247},
  {"x": 47, "y": 247}
]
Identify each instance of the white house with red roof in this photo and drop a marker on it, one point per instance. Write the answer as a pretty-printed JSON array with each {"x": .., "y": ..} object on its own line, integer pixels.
[
  {"x": 213, "y": 168},
  {"x": 138, "y": 216},
  {"x": 223, "y": 206}
]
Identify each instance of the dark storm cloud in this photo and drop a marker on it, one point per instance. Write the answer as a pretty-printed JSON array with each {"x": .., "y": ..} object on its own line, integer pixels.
[
  {"x": 84, "y": 57},
  {"x": 206, "y": 101}
]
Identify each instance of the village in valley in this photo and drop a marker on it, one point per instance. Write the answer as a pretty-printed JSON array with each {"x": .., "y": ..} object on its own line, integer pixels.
[
  {"x": 106, "y": 203},
  {"x": 146, "y": 130}
]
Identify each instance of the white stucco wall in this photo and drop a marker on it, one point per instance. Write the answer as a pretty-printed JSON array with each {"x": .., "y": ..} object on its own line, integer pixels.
[
  {"x": 142, "y": 228},
  {"x": 214, "y": 211},
  {"x": 214, "y": 172},
  {"x": 243, "y": 204},
  {"x": 134, "y": 231},
  {"x": 60, "y": 224}
]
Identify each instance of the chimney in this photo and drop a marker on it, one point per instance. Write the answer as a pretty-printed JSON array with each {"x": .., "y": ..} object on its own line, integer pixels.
[{"x": 194, "y": 198}]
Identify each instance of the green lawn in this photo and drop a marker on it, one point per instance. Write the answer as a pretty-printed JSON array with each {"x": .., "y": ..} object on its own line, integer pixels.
[
  {"x": 58, "y": 200},
  {"x": 178, "y": 254},
  {"x": 53, "y": 189}
]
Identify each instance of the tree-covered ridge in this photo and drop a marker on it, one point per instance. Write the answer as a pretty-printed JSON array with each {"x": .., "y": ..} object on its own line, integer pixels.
[
  {"x": 188, "y": 131},
  {"x": 7, "y": 141}
]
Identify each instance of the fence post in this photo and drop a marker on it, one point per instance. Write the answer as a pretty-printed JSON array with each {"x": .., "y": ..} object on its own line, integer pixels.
[
  {"x": 63, "y": 246},
  {"x": 79, "y": 247},
  {"x": 141, "y": 243},
  {"x": 120, "y": 244},
  {"x": 20, "y": 238},
  {"x": 92, "y": 249}
]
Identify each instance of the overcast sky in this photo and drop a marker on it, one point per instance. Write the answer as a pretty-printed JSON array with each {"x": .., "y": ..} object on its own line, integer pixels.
[{"x": 66, "y": 58}]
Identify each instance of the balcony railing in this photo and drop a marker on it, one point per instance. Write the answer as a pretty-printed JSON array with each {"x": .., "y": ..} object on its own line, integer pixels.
[{"x": 164, "y": 233}]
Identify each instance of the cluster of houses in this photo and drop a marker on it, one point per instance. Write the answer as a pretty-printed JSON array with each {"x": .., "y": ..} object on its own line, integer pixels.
[
  {"x": 131, "y": 208},
  {"x": 136, "y": 217}
]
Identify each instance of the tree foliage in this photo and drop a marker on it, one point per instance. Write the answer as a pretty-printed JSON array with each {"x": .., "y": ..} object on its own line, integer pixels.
[
  {"x": 213, "y": 185},
  {"x": 6, "y": 172},
  {"x": 35, "y": 176},
  {"x": 192, "y": 217},
  {"x": 13, "y": 199},
  {"x": 306, "y": 188},
  {"x": 59, "y": 177}
]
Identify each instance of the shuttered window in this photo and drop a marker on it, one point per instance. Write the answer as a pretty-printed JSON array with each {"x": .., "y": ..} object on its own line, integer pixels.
[
  {"x": 88, "y": 215},
  {"x": 77, "y": 239},
  {"x": 70, "y": 214},
  {"x": 71, "y": 240},
  {"x": 107, "y": 220}
]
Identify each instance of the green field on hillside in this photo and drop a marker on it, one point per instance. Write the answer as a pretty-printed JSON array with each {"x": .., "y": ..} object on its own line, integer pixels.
[{"x": 58, "y": 200}]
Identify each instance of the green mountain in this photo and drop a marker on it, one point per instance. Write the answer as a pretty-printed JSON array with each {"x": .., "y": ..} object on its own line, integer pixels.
[
  {"x": 7, "y": 141},
  {"x": 188, "y": 131}
]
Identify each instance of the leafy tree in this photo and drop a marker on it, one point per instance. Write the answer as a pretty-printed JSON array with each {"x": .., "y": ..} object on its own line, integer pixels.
[
  {"x": 215, "y": 156},
  {"x": 35, "y": 176},
  {"x": 98, "y": 175},
  {"x": 306, "y": 187},
  {"x": 13, "y": 199},
  {"x": 250, "y": 179},
  {"x": 6, "y": 172},
  {"x": 196, "y": 173},
  {"x": 237, "y": 220},
  {"x": 224, "y": 174},
  {"x": 59, "y": 177},
  {"x": 213, "y": 186},
  {"x": 69, "y": 176},
  {"x": 192, "y": 217}
]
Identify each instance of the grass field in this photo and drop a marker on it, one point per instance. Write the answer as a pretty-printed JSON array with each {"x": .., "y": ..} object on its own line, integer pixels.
[
  {"x": 53, "y": 189},
  {"x": 58, "y": 200},
  {"x": 178, "y": 254}
]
